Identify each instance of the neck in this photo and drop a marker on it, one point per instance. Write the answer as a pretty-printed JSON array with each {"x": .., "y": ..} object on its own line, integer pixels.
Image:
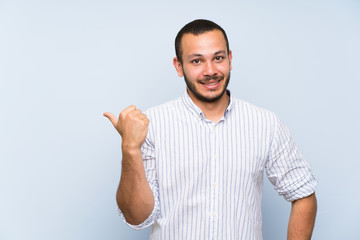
[{"x": 212, "y": 110}]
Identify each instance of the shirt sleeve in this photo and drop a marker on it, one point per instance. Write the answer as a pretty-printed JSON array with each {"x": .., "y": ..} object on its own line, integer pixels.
[
  {"x": 286, "y": 168},
  {"x": 148, "y": 155}
]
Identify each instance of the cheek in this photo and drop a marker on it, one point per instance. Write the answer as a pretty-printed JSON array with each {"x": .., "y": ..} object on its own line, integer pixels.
[
  {"x": 224, "y": 68},
  {"x": 193, "y": 72}
]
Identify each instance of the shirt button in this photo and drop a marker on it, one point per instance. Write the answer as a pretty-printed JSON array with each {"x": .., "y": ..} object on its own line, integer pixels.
[
  {"x": 214, "y": 214},
  {"x": 214, "y": 184},
  {"x": 215, "y": 156}
]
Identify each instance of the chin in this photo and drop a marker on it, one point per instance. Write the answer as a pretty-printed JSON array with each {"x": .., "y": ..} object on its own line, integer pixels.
[{"x": 207, "y": 95}]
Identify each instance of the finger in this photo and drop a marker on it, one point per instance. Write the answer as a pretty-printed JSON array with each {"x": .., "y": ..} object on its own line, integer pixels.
[
  {"x": 142, "y": 116},
  {"x": 135, "y": 113},
  {"x": 127, "y": 110},
  {"x": 111, "y": 117}
]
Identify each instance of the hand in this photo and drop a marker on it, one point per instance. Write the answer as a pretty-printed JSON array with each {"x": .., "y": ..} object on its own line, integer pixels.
[{"x": 132, "y": 126}]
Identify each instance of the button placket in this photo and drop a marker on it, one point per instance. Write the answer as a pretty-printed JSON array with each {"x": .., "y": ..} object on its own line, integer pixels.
[{"x": 214, "y": 190}]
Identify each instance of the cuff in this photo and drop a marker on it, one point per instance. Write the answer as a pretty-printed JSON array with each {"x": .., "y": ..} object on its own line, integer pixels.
[{"x": 305, "y": 187}]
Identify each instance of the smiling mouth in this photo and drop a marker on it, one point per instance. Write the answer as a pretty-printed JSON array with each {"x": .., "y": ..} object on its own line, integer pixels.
[{"x": 211, "y": 82}]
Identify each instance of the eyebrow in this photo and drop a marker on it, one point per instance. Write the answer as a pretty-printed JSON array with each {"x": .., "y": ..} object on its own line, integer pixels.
[
  {"x": 194, "y": 55},
  {"x": 220, "y": 52},
  {"x": 200, "y": 55}
]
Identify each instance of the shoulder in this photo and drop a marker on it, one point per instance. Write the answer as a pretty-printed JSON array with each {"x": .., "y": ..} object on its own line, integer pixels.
[
  {"x": 164, "y": 109},
  {"x": 246, "y": 108}
]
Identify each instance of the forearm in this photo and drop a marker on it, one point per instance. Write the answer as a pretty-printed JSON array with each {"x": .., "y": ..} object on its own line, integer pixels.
[
  {"x": 134, "y": 196},
  {"x": 302, "y": 218}
]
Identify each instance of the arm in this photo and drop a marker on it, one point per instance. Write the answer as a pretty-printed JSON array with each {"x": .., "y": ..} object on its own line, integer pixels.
[
  {"x": 302, "y": 218},
  {"x": 134, "y": 196},
  {"x": 292, "y": 178}
]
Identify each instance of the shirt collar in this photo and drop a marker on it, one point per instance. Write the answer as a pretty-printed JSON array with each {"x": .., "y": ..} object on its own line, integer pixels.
[{"x": 188, "y": 102}]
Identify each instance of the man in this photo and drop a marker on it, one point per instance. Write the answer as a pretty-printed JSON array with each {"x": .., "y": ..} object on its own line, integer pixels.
[{"x": 193, "y": 167}]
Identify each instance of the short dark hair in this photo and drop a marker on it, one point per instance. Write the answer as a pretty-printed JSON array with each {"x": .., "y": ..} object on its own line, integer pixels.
[{"x": 196, "y": 28}]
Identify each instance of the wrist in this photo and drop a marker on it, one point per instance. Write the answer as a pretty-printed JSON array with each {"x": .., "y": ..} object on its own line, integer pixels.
[{"x": 129, "y": 149}]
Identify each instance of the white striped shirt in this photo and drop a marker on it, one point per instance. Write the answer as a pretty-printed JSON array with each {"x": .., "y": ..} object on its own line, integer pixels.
[{"x": 207, "y": 177}]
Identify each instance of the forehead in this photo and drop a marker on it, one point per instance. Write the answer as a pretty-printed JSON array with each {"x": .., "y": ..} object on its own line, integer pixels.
[{"x": 211, "y": 41}]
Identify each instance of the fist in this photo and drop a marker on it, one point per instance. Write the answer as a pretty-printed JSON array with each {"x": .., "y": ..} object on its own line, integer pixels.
[{"x": 132, "y": 126}]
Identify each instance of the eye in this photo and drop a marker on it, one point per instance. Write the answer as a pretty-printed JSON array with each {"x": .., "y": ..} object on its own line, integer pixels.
[
  {"x": 196, "y": 61},
  {"x": 219, "y": 58}
]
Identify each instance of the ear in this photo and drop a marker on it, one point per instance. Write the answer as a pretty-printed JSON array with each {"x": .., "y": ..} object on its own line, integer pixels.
[
  {"x": 178, "y": 67},
  {"x": 230, "y": 59}
]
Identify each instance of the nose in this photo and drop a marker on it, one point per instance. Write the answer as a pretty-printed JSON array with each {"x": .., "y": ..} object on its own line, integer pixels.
[{"x": 209, "y": 69}]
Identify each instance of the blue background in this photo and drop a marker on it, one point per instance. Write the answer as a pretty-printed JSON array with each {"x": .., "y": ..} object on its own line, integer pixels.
[{"x": 64, "y": 63}]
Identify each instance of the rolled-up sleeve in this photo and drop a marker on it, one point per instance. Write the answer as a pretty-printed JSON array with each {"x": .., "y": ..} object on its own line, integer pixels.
[
  {"x": 148, "y": 155},
  {"x": 286, "y": 168}
]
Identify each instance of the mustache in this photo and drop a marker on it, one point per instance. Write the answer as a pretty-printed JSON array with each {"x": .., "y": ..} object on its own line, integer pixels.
[{"x": 209, "y": 78}]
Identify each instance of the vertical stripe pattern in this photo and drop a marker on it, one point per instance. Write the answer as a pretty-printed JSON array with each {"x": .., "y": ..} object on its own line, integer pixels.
[{"x": 207, "y": 177}]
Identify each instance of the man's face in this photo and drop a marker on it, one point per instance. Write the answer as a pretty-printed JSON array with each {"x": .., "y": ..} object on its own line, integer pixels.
[{"x": 206, "y": 65}]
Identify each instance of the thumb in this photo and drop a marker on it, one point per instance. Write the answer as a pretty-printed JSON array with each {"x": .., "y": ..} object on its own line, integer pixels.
[{"x": 111, "y": 117}]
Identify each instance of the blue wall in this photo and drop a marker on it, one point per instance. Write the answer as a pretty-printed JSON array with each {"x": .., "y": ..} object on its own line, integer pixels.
[{"x": 64, "y": 63}]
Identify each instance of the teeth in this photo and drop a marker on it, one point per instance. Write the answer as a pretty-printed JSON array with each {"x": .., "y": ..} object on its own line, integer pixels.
[{"x": 210, "y": 84}]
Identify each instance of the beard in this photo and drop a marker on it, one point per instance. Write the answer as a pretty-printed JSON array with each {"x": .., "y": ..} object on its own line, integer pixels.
[{"x": 199, "y": 96}]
